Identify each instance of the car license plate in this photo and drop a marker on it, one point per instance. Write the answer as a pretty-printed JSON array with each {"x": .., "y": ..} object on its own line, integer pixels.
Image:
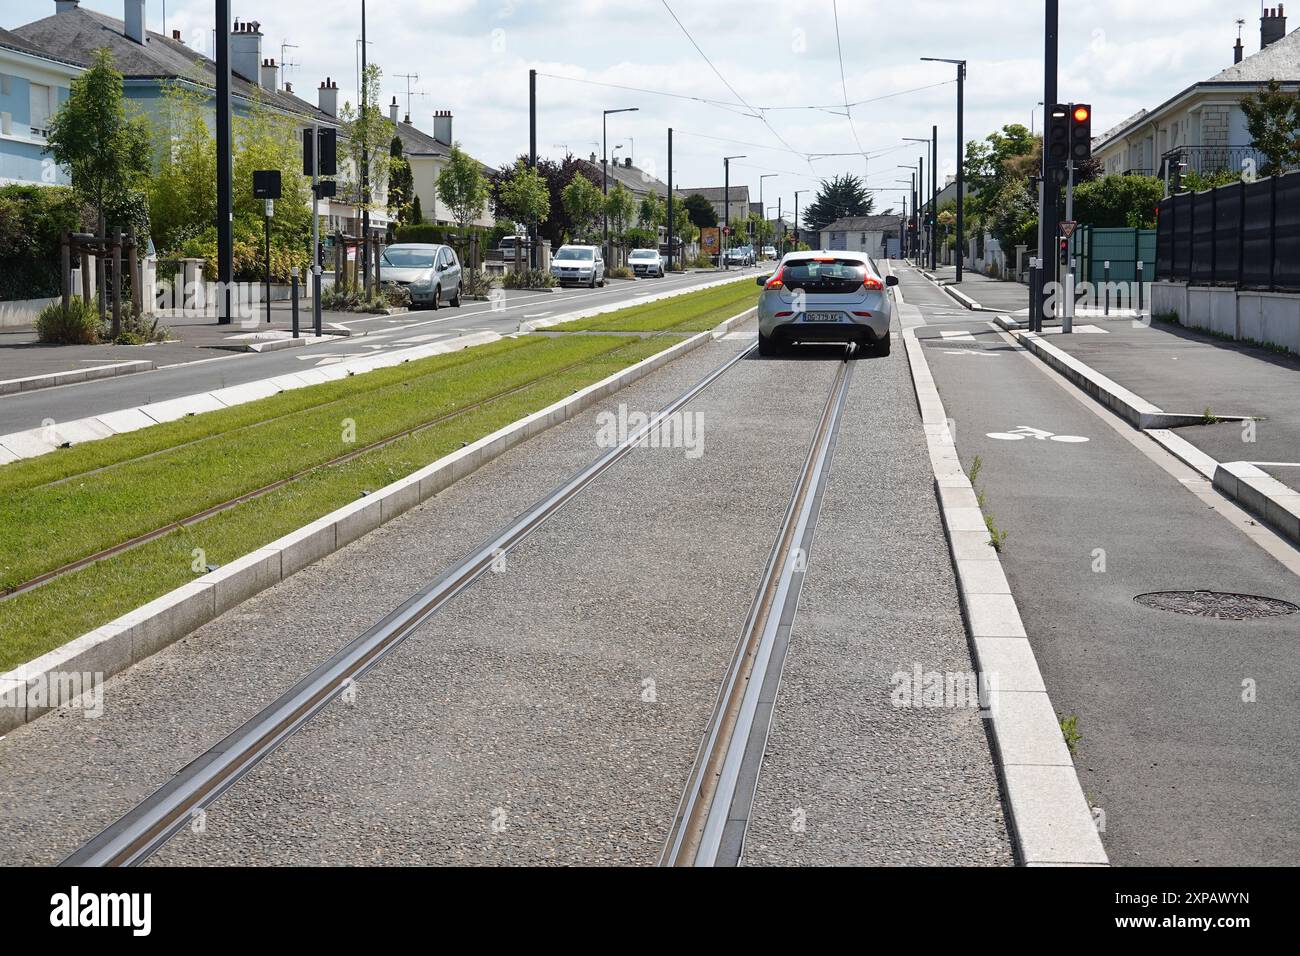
[{"x": 821, "y": 316}]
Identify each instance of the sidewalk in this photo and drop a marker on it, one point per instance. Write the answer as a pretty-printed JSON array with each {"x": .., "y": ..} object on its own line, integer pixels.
[
  {"x": 192, "y": 339},
  {"x": 993, "y": 295}
]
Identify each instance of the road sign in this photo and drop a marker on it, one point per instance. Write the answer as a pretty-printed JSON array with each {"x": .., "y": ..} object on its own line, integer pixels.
[
  {"x": 1067, "y": 228},
  {"x": 266, "y": 183}
]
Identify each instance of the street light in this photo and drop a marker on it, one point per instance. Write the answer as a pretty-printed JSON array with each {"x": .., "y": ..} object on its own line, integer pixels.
[
  {"x": 604, "y": 162},
  {"x": 915, "y": 204},
  {"x": 961, "y": 150},
  {"x": 1031, "y": 117},
  {"x": 726, "y": 207},
  {"x": 760, "y": 193}
]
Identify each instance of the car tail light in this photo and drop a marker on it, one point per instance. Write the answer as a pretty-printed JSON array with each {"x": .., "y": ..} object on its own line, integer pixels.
[
  {"x": 872, "y": 284},
  {"x": 863, "y": 315},
  {"x": 783, "y": 315},
  {"x": 775, "y": 282}
]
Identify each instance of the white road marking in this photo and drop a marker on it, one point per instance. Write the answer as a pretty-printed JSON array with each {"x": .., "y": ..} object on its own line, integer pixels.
[
  {"x": 1024, "y": 431},
  {"x": 951, "y": 336},
  {"x": 1079, "y": 330},
  {"x": 970, "y": 352}
]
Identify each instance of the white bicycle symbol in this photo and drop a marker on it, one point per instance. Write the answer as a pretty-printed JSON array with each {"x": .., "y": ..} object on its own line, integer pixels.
[{"x": 1024, "y": 431}]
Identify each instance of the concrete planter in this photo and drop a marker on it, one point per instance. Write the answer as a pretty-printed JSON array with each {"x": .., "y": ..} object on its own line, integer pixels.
[{"x": 22, "y": 312}]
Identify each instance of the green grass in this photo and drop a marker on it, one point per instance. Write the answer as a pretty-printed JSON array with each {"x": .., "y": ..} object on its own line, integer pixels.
[
  {"x": 696, "y": 312},
  {"x": 39, "y": 620}
]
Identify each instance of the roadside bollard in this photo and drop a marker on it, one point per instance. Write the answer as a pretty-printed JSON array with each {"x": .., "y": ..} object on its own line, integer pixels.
[
  {"x": 293, "y": 295},
  {"x": 1106, "y": 281},
  {"x": 1139, "y": 275}
]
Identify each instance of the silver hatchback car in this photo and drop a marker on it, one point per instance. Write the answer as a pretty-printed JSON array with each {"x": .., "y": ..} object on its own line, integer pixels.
[
  {"x": 825, "y": 297},
  {"x": 431, "y": 273}
]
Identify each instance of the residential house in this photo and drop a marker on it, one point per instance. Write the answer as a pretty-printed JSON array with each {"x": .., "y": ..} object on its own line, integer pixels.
[
  {"x": 1204, "y": 124},
  {"x": 736, "y": 198},
  {"x": 427, "y": 155},
  {"x": 150, "y": 62},
  {"x": 869, "y": 234},
  {"x": 33, "y": 84}
]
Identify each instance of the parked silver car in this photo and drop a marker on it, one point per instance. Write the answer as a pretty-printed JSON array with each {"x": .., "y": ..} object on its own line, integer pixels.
[
  {"x": 431, "y": 273},
  {"x": 825, "y": 297},
  {"x": 646, "y": 262},
  {"x": 579, "y": 265}
]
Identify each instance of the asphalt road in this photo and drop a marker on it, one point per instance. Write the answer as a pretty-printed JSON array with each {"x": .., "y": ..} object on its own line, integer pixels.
[
  {"x": 551, "y": 713},
  {"x": 1184, "y": 768},
  {"x": 373, "y": 334}
]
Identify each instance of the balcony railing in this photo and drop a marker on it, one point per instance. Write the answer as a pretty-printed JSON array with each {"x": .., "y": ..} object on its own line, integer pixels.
[{"x": 1207, "y": 160}]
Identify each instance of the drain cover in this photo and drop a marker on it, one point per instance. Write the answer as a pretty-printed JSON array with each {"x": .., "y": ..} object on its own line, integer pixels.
[{"x": 1216, "y": 604}]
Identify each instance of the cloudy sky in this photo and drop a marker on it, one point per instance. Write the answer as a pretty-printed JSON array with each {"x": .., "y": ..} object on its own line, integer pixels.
[{"x": 757, "y": 59}]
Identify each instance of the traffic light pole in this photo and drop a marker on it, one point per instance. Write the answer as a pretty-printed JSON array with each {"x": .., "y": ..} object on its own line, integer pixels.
[
  {"x": 315, "y": 230},
  {"x": 1067, "y": 314},
  {"x": 1048, "y": 225}
]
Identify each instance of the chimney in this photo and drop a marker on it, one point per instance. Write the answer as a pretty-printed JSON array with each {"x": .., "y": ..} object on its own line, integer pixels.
[
  {"x": 270, "y": 75},
  {"x": 392, "y": 111},
  {"x": 1272, "y": 26},
  {"x": 442, "y": 126},
  {"x": 288, "y": 87},
  {"x": 328, "y": 97},
  {"x": 133, "y": 18},
  {"x": 627, "y": 163},
  {"x": 1237, "y": 51},
  {"x": 593, "y": 159},
  {"x": 176, "y": 35},
  {"x": 64, "y": 6},
  {"x": 246, "y": 51}
]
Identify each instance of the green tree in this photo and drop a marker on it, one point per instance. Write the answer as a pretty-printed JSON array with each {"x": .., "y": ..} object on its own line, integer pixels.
[
  {"x": 106, "y": 151},
  {"x": 183, "y": 191},
  {"x": 1119, "y": 202},
  {"x": 524, "y": 195},
  {"x": 620, "y": 207},
  {"x": 368, "y": 134},
  {"x": 401, "y": 183},
  {"x": 700, "y": 211},
  {"x": 653, "y": 211},
  {"x": 267, "y": 139},
  {"x": 416, "y": 214},
  {"x": 462, "y": 187},
  {"x": 836, "y": 198},
  {"x": 583, "y": 204},
  {"x": 1273, "y": 119}
]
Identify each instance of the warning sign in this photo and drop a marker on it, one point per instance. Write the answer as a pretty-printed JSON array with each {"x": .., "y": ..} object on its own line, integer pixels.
[{"x": 1068, "y": 227}]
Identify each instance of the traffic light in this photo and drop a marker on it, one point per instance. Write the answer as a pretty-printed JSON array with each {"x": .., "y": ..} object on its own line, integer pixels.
[
  {"x": 1080, "y": 132},
  {"x": 1058, "y": 135},
  {"x": 1065, "y": 251}
]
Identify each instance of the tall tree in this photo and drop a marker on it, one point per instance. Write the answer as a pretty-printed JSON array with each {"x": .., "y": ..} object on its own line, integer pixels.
[
  {"x": 401, "y": 183},
  {"x": 583, "y": 204},
  {"x": 524, "y": 196},
  {"x": 620, "y": 207},
  {"x": 369, "y": 136},
  {"x": 107, "y": 152},
  {"x": 653, "y": 211},
  {"x": 1273, "y": 119},
  {"x": 700, "y": 211},
  {"x": 462, "y": 187},
  {"x": 836, "y": 198}
]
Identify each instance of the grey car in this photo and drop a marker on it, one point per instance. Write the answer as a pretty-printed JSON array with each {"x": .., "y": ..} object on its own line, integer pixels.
[
  {"x": 431, "y": 273},
  {"x": 825, "y": 297}
]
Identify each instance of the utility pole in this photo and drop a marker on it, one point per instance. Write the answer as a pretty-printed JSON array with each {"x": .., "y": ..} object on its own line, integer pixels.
[
  {"x": 315, "y": 229},
  {"x": 726, "y": 206},
  {"x": 760, "y": 195},
  {"x": 934, "y": 198},
  {"x": 670, "y": 199},
  {"x": 1048, "y": 223},
  {"x": 532, "y": 159},
  {"x": 225, "y": 173},
  {"x": 365, "y": 163},
  {"x": 796, "y": 216},
  {"x": 961, "y": 152}
]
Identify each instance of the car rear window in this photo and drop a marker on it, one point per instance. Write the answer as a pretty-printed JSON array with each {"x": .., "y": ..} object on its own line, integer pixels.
[{"x": 818, "y": 275}]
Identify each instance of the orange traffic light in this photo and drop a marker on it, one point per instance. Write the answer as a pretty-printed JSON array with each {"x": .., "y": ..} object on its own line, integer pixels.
[{"x": 1081, "y": 114}]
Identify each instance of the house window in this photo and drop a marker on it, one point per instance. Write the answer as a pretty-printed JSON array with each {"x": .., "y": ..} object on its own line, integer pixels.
[
  {"x": 40, "y": 112},
  {"x": 5, "y": 85}
]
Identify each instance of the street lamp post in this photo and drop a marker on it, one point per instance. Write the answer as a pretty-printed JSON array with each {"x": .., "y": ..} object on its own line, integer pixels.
[
  {"x": 961, "y": 151},
  {"x": 797, "y": 192},
  {"x": 604, "y": 162},
  {"x": 915, "y": 207},
  {"x": 760, "y": 195},
  {"x": 726, "y": 207},
  {"x": 932, "y": 206}
]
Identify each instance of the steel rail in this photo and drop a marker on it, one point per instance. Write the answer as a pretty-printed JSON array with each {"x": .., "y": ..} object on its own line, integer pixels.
[
  {"x": 714, "y": 786},
  {"x": 143, "y": 830}
]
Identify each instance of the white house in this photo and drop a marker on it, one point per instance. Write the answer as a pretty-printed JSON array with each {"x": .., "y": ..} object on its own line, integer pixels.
[
  {"x": 428, "y": 156},
  {"x": 1204, "y": 123},
  {"x": 869, "y": 234},
  {"x": 33, "y": 84}
]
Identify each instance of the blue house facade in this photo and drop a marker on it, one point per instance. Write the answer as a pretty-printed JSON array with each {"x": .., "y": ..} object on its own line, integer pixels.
[{"x": 33, "y": 84}]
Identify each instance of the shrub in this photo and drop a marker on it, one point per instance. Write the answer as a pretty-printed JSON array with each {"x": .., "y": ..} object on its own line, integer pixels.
[
  {"x": 702, "y": 262},
  {"x": 32, "y": 221},
  {"x": 529, "y": 279},
  {"x": 620, "y": 272},
  {"x": 474, "y": 284},
  {"x": 78, "y": 324}
]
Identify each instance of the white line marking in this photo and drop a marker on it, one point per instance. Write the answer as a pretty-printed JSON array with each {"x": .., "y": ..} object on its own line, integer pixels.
[{"x": 951, "y": 336}]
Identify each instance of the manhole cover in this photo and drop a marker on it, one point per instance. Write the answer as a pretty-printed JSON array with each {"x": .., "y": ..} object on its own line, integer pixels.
[{"x": 1216, "y": 604}]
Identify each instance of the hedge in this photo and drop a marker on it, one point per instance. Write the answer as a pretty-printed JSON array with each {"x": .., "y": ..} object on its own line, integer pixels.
[{"x": 32, "y": 222}]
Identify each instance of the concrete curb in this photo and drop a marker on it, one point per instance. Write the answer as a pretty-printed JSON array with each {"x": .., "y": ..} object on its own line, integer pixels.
[
  {"x": 117, "y": 645},
  {"x": 1006, "y": 323},
  {"x": 33, "y": 382},
  {"x": 962, "y": 298},
  {"x": 1051, "y": 821},
  {"x": 41, "y": 441},
  {"x": 1133, "y": 408}
]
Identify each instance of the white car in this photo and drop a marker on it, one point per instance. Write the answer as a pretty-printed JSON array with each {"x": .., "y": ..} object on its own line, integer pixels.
[
  {"x": 579, "y": 265},
  {"x": 646, "y": 262}
]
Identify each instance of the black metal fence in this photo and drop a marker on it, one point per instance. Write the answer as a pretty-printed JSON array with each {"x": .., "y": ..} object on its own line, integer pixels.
[{"x": 1245, "y": 235}]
